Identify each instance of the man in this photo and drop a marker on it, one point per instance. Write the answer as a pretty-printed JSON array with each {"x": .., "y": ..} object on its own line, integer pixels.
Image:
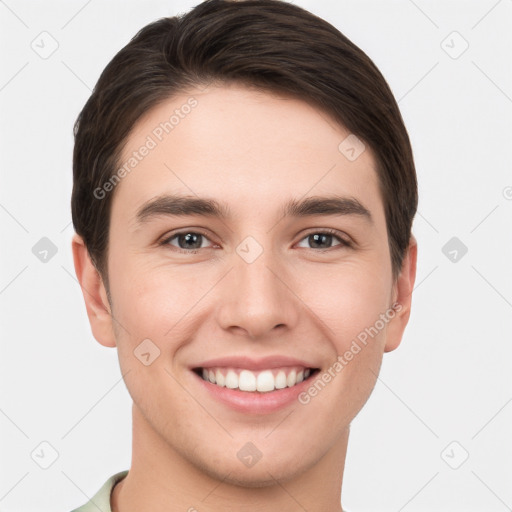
[{"x": 244, "y": 190}]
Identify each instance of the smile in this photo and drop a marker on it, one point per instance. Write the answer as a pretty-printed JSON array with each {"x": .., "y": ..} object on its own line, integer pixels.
[{"x": 255, "y": 381}]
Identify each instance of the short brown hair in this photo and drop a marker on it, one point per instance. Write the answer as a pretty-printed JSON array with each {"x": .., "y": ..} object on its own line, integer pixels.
[{"x": 268, "y": 44}]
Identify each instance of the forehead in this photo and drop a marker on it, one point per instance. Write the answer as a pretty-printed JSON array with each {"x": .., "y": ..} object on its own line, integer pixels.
[{"x": 246, "y": 147}]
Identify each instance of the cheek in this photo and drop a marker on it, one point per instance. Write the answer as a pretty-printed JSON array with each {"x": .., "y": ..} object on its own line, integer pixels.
[
  {"x": 151, "y": 325},
  {"x": 360, "y": 321},
  {"x": 351, "y": 314},
  {"x": 156, "y": 312},
  {"x": 348, "y": 301},
  {"x": 153, "y": 299}
]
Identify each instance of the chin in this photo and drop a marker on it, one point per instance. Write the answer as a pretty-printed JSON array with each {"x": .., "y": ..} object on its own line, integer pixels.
[
  {"x": 251, "y": 481},
  {"x": 262, "y": 474}
]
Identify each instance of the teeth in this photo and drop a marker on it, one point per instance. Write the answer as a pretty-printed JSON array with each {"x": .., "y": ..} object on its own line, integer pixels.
[
  {"x": 263, "y": 382},
  {"x": 280, "y": 381},
  {"x": 231, "y": 380},
  {"x": 219, "y": 379},
  {"x": 246, "y": 381},
  {"x": 291, "y": 379}
]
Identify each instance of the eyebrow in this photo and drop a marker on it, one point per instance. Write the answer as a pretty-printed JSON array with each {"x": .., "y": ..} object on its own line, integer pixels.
[{"x": 178, "y": 205}]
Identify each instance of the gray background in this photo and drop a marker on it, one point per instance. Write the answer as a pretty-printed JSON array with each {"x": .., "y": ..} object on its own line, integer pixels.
[{"x": 444, "y": 395}]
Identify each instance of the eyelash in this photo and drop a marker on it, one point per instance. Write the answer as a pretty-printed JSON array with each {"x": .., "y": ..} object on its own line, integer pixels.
[{"x": 326, "y": 231}]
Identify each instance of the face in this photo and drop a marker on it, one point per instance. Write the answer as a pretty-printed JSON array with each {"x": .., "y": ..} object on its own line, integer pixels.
[{"x": 265, "y": 290}]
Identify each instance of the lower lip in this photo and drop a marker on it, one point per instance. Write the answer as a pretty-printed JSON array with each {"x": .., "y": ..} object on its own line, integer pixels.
[{"x": 255, "y": 402}]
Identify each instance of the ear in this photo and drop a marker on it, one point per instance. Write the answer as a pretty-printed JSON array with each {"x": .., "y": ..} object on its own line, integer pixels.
[
  {"x": 402, "y": 296},
  {"x": 95, "y": 295}
]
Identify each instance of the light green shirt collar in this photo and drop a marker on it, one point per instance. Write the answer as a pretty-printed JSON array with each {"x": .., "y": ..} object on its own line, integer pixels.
[{"x": 100, "y": 502}]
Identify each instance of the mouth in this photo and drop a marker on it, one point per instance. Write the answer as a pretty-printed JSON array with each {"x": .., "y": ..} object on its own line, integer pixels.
[
  {"x": 249, "y": 381},
  {"x": 250, "y": 385}
]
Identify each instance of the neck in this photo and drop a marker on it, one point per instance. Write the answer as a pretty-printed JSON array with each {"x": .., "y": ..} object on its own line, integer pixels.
[{"x": 161, "y": 480}]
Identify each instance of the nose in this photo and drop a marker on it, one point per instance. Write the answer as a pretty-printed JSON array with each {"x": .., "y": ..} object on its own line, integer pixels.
[{"x": 258, "y": 299}]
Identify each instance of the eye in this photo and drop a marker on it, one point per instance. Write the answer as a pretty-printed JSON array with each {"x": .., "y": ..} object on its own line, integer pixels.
[
  {"x": 188, "y": 241},
  {"x": 323, "y": 239}
]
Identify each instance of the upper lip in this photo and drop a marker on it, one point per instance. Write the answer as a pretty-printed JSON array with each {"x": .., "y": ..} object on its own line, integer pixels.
[{"x": 264, "y": 363}]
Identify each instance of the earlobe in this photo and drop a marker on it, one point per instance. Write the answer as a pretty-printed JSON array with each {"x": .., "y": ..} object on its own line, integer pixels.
[
  {"x": 403, "y": 292},
  {"x": 94, "y": 293}
]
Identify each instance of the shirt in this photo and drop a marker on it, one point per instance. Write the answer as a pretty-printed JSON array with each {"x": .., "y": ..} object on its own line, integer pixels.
[{"x": 101, "y": 500}]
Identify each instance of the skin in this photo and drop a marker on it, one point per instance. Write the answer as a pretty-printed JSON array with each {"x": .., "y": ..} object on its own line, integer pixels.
[{"x": 255, "y": 151}]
